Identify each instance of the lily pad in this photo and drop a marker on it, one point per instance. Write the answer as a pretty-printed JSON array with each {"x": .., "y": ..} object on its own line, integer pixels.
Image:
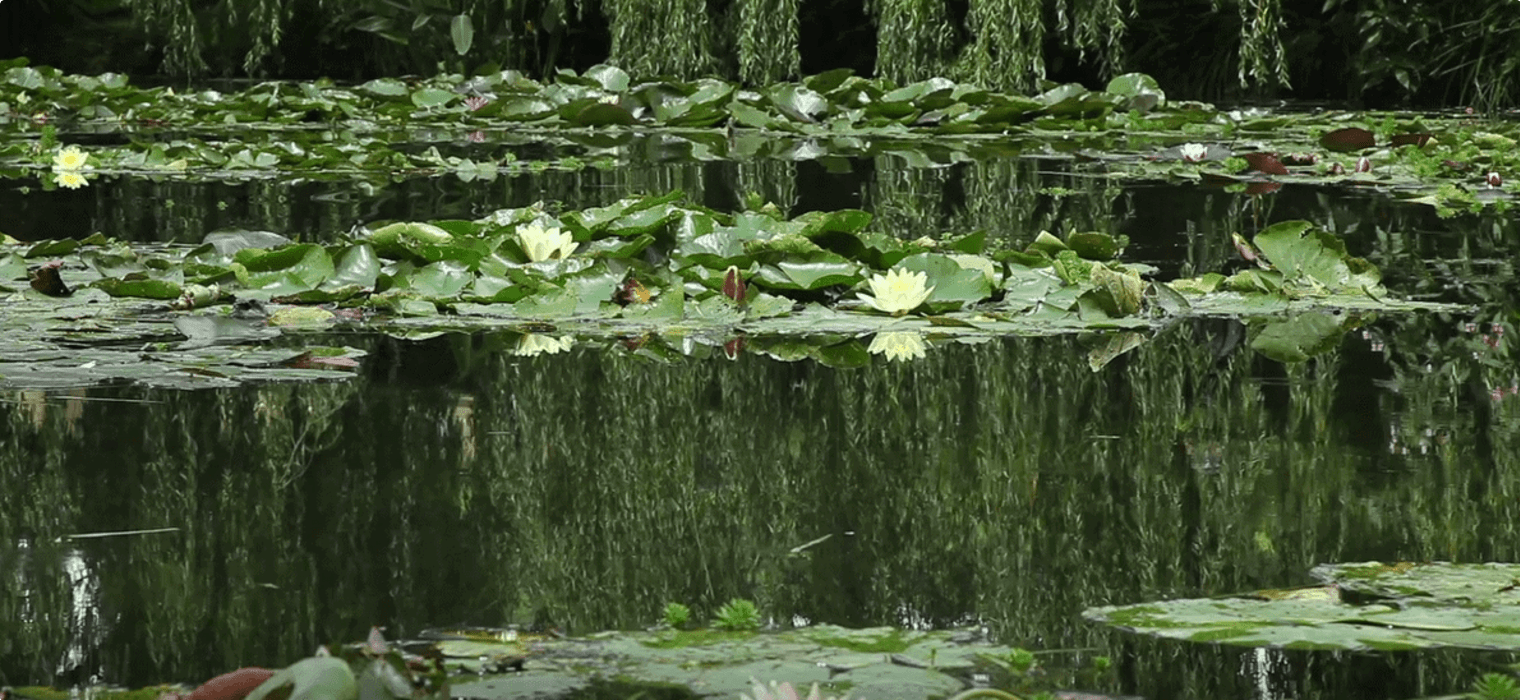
[{"x": 1370, "y": 606}]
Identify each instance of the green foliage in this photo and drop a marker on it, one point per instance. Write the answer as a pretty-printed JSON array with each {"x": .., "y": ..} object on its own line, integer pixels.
[
  {"x": 1463, "y": 50},
  {"x": 1495, "y": 686},
  {"x": 662, "y": 37},
  {"x": 737, "y": 615},
  {"x": 768, "y": 41},
  {"x": 1021, "y": 660},
  {"x": 676, "y": 615}
]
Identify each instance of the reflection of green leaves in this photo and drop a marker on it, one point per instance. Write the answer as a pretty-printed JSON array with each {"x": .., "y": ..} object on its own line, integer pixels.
[{"x": 1298, "y": 338}]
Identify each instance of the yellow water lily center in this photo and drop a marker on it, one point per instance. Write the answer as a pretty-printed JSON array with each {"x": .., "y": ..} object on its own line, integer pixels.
[
  {"x": 542, "y": 244},
  {"x": 71, "y": 158},
  {"x": 898, "y": 291}
]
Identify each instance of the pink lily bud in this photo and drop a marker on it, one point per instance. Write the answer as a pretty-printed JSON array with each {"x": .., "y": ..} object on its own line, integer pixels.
[
  {"x": 1364, "y": 164},
  {"x": 1337, "y": 169},
  {"x": 1494, "y": 180}
]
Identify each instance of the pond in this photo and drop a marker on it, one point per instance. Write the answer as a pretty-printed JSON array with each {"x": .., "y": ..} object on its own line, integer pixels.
[{"x": 466, "y": 478}]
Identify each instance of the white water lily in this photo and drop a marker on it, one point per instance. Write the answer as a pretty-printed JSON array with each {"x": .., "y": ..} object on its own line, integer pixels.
[
  {"x": 898, "y": 291},
  {"x": 1193, "y": 152},
  {"x": 536, "y": 344},
  {"x": 543, "y": 244},
  {"x": 783, "y": 691},
  {"x": 898, "y": 345},
  {"x": 71, "y": 158}
]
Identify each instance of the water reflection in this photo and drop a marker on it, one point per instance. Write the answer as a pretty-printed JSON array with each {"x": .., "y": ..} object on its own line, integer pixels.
[
  {"x": 898, "y": 346},
  {"x": 1004, "y": 482}
]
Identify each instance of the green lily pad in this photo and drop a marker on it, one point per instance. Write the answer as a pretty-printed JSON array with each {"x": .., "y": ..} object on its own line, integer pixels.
[{"x": 1395, "y": 607}]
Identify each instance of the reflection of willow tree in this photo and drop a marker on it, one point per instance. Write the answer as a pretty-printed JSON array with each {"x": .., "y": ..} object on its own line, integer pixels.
[
  {"x": 1002, "y": 481},
  {"x": 774, "y": 180},
  {"x": 40, "y": 506},
  {"x": 906, "y": 202},
  {"x": 1009, "y": 198},
  {"x": 1004, "y": 197}
]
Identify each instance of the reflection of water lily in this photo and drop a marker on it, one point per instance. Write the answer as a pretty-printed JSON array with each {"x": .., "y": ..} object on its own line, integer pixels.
[
  {"x": 71, "y": 158},
  {"x": 782, "y": 691},
  {"x": 535, "y": 344},
  {"x": 898, "y": 345},
  {"x": 542, "y": 244},
  {"x": 1193, "y": 152},
  {"x": 898, "y": 291},
  {"x": 70, "y": 179}
]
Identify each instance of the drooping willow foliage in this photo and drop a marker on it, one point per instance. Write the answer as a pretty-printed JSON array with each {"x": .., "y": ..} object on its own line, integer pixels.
[
  {"x": 1261, "y": 48},
  {"x": 661, "y": 37},
  {"x": 188, "y": 28},
  {"x": 914, "y": 39},
  {"x": 769, "y": 49},
  {"x": 999, "y": 44}
]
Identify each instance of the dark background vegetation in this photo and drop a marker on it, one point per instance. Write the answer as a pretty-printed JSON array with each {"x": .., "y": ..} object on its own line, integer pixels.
[{"x": 1373, "y": 53}]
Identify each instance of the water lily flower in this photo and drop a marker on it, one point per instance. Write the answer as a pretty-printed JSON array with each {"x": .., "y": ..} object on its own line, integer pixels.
[
  {"x": 1494, "y": 180},
  {"x": 782, "y": 691},
  {"x": 898, "y": 345},
  {"x": 1337, "y": 169},
  {"x": 542, "y": 244},
  {"x": 1193, "y": 152},
  {"x": 537, "y": 344},
  {"x": 475, "y": 102},
  {"x": 70, "y": 179},
  {"x": 71, "y": 158},
  {"x": 898, "y": 291}
]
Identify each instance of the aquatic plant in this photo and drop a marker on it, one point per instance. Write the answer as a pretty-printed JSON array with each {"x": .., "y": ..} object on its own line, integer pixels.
[
  {"x": 541, "y": 243},
  {"x": 737, "y": 615},
  {"x": 1357, "y": 606},
  {"x": 898, "y": 292},
  {"x": 1495, "y": 686},
  {"x": 1021, "y": 659},
  {"x": 676, "y": 615}
]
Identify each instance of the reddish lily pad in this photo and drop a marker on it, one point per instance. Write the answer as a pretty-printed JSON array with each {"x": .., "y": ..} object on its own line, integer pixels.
[{"x": 1350, "y": 138}]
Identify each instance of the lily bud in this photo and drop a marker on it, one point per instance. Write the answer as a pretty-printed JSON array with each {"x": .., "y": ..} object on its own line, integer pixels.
[
  {"x": 1337, "y": 169},
  {"x": 1364, "y": 164},
  {"x": 1494, "y": 180},
  {"x": 733, "y": 284}
]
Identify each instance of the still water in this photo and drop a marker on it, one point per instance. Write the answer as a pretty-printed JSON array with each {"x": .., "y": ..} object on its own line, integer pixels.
[{"x": 1002, "y": 483}]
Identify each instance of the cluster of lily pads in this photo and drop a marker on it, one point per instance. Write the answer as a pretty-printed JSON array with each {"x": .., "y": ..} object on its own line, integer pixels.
[
  {"x": 1355, "y": 607},
  {"x": 394, "y": 126},
  {"x": 653, "y": 265}
]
